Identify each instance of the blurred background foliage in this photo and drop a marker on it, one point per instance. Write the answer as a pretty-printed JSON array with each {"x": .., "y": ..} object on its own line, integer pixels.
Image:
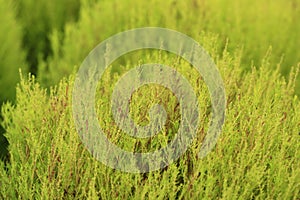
[
  {"x": 38, "y": 19},
  {"x": 258, "y": 27}
]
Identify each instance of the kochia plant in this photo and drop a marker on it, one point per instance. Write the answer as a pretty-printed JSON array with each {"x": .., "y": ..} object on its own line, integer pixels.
[{"x": 256, "y": 156}]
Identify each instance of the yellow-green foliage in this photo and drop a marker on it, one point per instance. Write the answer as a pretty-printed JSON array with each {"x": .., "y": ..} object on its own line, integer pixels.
[
  {"x": 253, "y": 25},
  {"x": 257, "y": 154}
]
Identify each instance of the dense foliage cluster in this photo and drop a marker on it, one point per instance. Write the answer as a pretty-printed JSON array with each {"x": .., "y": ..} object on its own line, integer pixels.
[{"x": 255, "y": 47}]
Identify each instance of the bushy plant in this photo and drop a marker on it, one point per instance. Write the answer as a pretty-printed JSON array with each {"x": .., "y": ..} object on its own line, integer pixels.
[{"x": 257, "y": 154}]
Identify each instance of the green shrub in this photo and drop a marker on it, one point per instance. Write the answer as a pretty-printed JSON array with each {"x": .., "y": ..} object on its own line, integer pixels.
[
  {"x": 254, "y": 25},
  {"x": 38, "y": 19},
  {"x": 11, "y": 58},
  {"x": 257, "y": 154}
]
